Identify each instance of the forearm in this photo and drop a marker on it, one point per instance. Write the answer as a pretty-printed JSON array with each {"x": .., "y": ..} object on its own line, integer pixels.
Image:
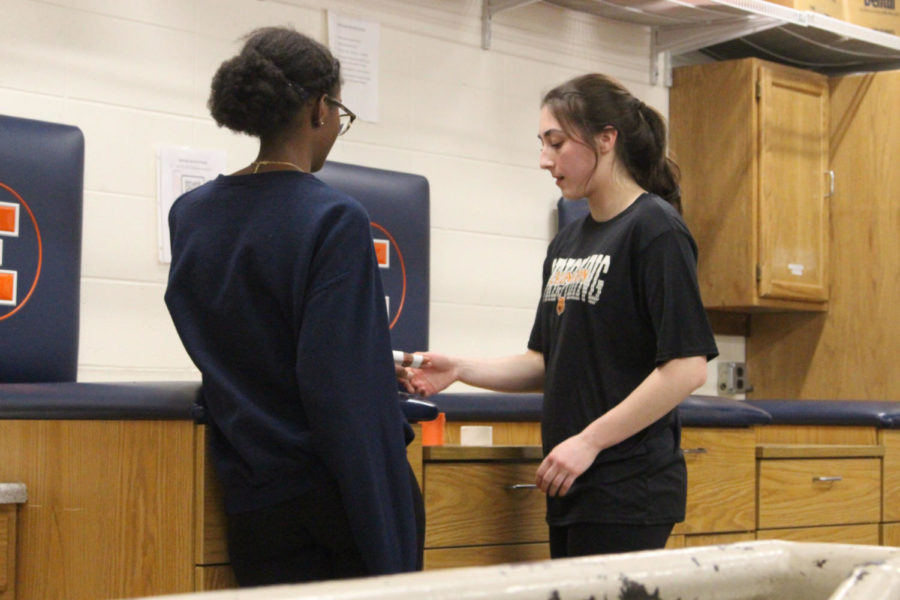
[
  {"x": 658, "y": 394},
  {"x": 517, "y": 373}
]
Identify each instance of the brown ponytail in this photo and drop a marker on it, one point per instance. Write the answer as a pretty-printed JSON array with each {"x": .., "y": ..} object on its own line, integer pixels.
[{"x": 586, "y": 105}]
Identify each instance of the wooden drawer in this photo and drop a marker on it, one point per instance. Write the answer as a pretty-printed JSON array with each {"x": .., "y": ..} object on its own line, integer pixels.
[
  {"x": 867, "y": 534},
  {"x": 792, "y": 492},
  {"x": 890, "y": 439},
  {"x": 471, "y": 503},
  {"x": 7, "y": 550},
  {"x": 721, "y": 465},
  {"x": 477, "y": 556}
]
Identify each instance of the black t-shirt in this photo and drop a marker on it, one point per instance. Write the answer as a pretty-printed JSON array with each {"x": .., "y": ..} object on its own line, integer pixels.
[{"x": 619, "y": 298}]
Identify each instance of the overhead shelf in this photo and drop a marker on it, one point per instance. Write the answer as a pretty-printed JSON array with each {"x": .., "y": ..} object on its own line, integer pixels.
[{"x": 725, "y": 29}]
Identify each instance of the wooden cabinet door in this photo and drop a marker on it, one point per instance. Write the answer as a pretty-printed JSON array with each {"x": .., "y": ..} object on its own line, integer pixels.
[
  {"x": 793, "y": 198},
  {"x": 7, "y": 551},
  {"x": 751, "y": 140},
  {"x": 721, "y": 466}
]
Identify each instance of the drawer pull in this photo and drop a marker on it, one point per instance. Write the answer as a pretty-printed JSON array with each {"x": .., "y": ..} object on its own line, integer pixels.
[
  {"x": 695, "y": 450},
  {"x": 522, "y": 486},
  {"x": 827, "y": 479}
]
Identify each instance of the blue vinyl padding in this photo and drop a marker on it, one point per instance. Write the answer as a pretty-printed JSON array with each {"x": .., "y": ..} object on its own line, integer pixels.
[
  {"x": 868, "y": 413},
  {"x": 101, "y": 401},
  {"x": 171, "y": 400},
  {"x": 398, "y": 204},
  {"x": 695, "y": 411},
  {"x": 41, "y": 180}
]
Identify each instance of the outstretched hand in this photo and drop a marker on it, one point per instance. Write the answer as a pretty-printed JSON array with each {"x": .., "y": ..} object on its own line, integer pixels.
[
  {"x": 436, "y": 373},
  {"x": 403, "y": 376}
]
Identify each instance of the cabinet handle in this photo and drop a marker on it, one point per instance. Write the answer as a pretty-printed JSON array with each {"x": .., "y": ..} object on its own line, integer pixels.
[
  {"x": 522, "y": 486},
  {"x": 695, "y": 450},
  {"x": 830, "y": 182},
  {"x": 827, "y": 479}
]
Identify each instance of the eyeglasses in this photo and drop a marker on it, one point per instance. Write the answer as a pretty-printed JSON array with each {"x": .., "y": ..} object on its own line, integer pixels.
[{"x": 347, "y": 116}]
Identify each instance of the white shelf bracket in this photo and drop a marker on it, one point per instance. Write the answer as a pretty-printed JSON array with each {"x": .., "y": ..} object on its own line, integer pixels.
[
  {"x": 679, "y": 39},
  {"x": 489, "y": 8}
]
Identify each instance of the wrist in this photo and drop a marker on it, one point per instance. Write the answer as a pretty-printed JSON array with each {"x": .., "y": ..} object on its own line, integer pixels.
[{"x": 591, "y": 438}]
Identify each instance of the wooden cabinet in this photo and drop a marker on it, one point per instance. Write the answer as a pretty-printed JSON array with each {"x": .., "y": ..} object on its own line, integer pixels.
[
  {"x": 481, "y": 506},
  {"x": 110, "y": 507},
  {"x": 819, "y": 493},
  {"x": 212, "y": 568},
  {"x": 867, "y": 534},
  {"x": 7, "y": 551},
  {"x": 751, "y": 140},
  {"x": 721, "y": 464},
  {"x": 890, "y": 441}
]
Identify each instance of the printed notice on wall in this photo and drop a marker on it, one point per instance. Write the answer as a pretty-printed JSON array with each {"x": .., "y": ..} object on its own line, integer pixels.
[
  {"x": 180, "y": 170},
  {"x": 354, "y": 42}
]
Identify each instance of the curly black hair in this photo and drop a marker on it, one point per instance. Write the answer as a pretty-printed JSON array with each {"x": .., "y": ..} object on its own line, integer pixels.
[{"x": 277, "y": 71}]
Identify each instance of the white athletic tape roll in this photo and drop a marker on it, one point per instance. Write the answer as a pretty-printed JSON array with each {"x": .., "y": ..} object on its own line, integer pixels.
[{"x": 406, "y": 359}]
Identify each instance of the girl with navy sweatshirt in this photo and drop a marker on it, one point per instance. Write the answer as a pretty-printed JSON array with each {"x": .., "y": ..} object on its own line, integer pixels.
[{"x": 275, "y": 292}]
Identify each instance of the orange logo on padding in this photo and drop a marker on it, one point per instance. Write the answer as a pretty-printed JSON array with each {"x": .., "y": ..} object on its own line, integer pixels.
[
  {"x": 382, "y": 253},
  {"x": 11, "y": 222},
  {"x": 560, "y": 305}
]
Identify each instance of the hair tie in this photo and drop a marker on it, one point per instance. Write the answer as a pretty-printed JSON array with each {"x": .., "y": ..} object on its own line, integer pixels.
[
  {"x": 299, "y": 90},
  {"x": 639, "y": 106}
]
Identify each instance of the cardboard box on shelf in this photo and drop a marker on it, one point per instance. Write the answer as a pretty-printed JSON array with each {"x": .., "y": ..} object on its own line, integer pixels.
[
  {"x": 882, "y": 15},
  {"x": 831, "y": 8}
]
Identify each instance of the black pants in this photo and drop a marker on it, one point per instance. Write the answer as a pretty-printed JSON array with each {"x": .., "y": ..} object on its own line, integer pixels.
[
  {"x": 585, "y": 539},
  {"x": 304, "y": 539}
]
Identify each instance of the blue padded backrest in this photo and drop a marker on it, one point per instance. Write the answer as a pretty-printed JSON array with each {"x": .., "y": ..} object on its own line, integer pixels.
[
  {"x": 41, "y": 181},
  {"x": 570, "y": 210},
  {"x": 398, "y": 205}
]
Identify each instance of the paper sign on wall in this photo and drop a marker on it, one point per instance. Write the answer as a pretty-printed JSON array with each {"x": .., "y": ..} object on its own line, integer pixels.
[
  {"x": 354, "y": 42},
  {"x": 180, "y": 170}
]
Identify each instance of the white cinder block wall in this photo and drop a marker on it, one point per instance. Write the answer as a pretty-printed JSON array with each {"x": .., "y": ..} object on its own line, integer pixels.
[{"x": 134, "y": 75}]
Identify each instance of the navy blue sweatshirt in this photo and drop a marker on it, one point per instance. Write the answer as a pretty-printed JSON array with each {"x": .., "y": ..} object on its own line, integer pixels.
[{"x": 275, "y": 292}]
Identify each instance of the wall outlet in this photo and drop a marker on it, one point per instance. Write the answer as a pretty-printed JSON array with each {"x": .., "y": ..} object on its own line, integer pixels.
[{"x": 733, "y": 379}]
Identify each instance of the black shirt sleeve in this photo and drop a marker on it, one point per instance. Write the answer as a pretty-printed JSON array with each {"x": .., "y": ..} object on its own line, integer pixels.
[{"x": 671, "y": 296}]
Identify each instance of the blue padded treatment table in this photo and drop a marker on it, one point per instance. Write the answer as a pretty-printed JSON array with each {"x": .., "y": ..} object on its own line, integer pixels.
[
  {"x": 157, "y": 401},
  {"x": 41, "y": 181},
  {"x": 869, "y": 413},
  {"x": 398, "y": 205},
  {"x": 694, "y": 411}
]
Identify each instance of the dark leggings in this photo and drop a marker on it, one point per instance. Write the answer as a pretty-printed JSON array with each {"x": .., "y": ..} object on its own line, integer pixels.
[
  {"x": 304, "y": 539},
  {"x": 585, "y": 539}
]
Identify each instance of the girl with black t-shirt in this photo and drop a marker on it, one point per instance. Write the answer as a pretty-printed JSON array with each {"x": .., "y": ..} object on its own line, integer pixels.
[{"x": 620, "y": 337}]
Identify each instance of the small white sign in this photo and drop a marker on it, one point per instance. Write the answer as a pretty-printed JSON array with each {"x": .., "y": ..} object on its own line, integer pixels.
[
  {"x": 180, "y": 170},
  {"x": 354, "y": 42}
]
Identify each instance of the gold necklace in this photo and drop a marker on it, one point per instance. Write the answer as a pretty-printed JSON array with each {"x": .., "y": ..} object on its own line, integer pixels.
[{"x": 256, "y": 164}]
